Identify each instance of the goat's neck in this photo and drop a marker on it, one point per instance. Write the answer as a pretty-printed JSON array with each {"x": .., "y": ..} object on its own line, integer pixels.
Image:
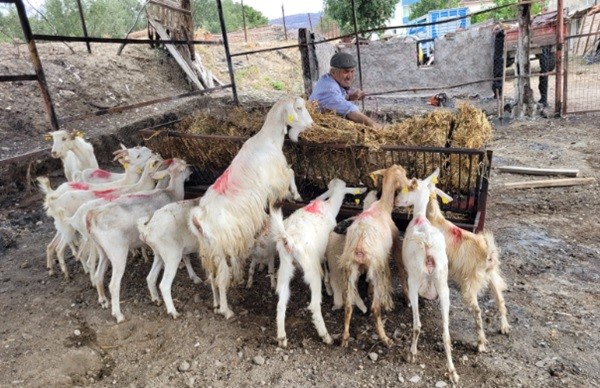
[
  {"x": 175, "y": 187},
  {"x": 79, "y": 150},
  {"x": 145, "y": 182},
  {"x": 386, "y": 202},
  {"x": 273, "y": 130},
  {"x": 334, "y": 203},
  {"x": 434, "y": 213}
]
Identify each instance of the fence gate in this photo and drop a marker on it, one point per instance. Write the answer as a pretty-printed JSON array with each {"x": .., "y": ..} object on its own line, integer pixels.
[{"x": 582, "y": 64}]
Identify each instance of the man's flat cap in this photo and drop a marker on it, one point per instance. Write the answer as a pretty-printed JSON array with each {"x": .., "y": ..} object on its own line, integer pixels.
[{"x": 343, "y": 61}]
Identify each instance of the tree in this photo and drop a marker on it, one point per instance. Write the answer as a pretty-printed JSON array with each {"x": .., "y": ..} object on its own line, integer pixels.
[
  {"x": 370, "y": 14},
  {"x": 422, "y": 7},
  {"x": 206, "y": 16},
  {"x": 508, "y": 13}
]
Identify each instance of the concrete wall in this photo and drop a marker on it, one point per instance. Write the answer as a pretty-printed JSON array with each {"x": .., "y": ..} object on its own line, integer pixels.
[{"x": 462, "y": 57}]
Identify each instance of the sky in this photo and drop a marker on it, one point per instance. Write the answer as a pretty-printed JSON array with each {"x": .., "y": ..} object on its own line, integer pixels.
[{"x": 272, "y": 8}]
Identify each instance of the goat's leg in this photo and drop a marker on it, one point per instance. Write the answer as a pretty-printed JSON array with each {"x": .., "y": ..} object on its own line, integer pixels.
[
  {"x": 214, "y": 289},
  {"x": 284, "y": 277},
  {"x": 92, "y": 259},
  {"x": 413, "y": 296},
  {"x": 470, "y": 297},
  {"x": 271, "y": 272},
  {"x": 64, "y": 241},
  {"x": 171, "y": 261},
  {"x": 312, "y": 276},
  {"x": 293, "y": 189},
  {"x": 118, "y": 260},
  {"x": 348, "y": 298},
  {"x": 99, "y": 280},
  {"x": 498, "y": 286},
  {"x": 327, "y": 279},
  {"x": 376, "y": 309},
  {"x": 251, "y": 270},
  {"x": 50, "y": 250},
  {"x": 152, "y": 278},
  {"x": 190, "y": 270},
  {"x": 444, "y": 295},
  {"x": 223, "y": 279}
]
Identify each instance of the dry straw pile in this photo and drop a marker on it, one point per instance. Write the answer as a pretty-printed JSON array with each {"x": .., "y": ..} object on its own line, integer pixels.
[{"x": 334, "y": 146}]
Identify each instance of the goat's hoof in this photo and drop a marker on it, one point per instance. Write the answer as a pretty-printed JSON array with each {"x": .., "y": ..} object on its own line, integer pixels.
[
  {"x": 505, "y": 329},
  {"x": 411, "y": 358},
  {"x": 120, "y": 317},
  {"x": 335, "y": 308},
  {"x": 327, "y": 339},
  {"x": 174, "y": 314},
  {"x": 227, "y": 313},
  {"x": 453, "y": 376},
  {"x": 481, "y": 348},
  {"x": 248, "y": 285},
  {"x": 51, "y": 272},
  {"x": 387, "y": 341},
  {"x": 282, "y": 342},
  {"x": 103, "y": 303},
  {"x": 196, "y": 280},
  {"x": 345, "y": 343}
]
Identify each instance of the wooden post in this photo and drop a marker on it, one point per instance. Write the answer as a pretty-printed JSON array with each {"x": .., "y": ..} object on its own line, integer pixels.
[
  {"x": 524, "y": 91},
  {"x": 560, "y": 40},
  {"x": 308, "y": 57},
  {"x": 244, "y": 22},
  {"x": 283, "y": 17},
  {"x": 37, "y": 65},
  {"x": 360, "y": 80}
]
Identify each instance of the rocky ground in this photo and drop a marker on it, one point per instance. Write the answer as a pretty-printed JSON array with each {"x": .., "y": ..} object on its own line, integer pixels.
[{"x": 54, "y": 333}]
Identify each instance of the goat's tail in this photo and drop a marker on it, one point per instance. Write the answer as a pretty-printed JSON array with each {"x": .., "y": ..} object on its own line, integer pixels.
[
  {"x": 197, "y": 223},
  {"x": 492, "y": 253},
  {"x": 44, "y": 185}
]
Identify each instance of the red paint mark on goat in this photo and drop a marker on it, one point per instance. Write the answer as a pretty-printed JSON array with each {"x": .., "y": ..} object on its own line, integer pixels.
[
  {"x": 367, "y": 213},
  {"x": 222, "y": 183},
  {"x": 108, "y": 194},
  {"x": 420, "y": 220},
  {"x": 79, "y": 186},
  {"x": 168, "y": 162},
  {"x": 102, "y": 174},
  {"x": 313, "y": 206},
  {"x": 457, "y": 235}
]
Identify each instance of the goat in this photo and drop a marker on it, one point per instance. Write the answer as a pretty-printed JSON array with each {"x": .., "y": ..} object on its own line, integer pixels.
[
  {"x": 76, "y": 154},
  {"x": 113, "y": 227},
  {"x": 135, "y": 156},
  {"x": 263, "y": 253},
  {"x": 335, "y": 247},
  {"x": 426, "y": 264},
  {"x": 368, "y": 246},
  {"x": 167, "y": 233},
  {"x": 302, "y": 240},
  {"x": 68, "y": 203},
  {"x": 473, "y": 263},
  {"x": 232, "y": 211}
]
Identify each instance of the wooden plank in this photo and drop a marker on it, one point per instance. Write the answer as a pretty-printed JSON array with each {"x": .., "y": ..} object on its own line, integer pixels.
[
  {"x": 550, "y": 183},
  {"x": 539, "y": 171},
  {"x": 176, "y": 54}
]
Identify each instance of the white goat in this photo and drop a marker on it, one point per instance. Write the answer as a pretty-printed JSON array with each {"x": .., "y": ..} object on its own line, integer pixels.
[
  {"x": 76, "y": 154},
  {"x": 68, "y": 203},
  {"x": 426, "y": 264},
  {"x": 167, "y": 233},
  {"x": 232, "y": 211},
  {"x": 263, "y": 253},
  {"x": 128, "y": 157},
  {"x": 302, "y": 240},
  {"x": 113, "y": 227},
  {"x": 473, "y": 264},
  {"x": 369, "y": 242},
  {"x": 335, "y": 247}
]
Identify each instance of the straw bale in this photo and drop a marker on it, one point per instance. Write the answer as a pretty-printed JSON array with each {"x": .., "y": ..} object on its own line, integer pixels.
[{"x": 472, "y": 128}]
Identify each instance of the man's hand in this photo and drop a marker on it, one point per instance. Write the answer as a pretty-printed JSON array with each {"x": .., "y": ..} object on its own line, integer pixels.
[{"x": 356, "y": 95}]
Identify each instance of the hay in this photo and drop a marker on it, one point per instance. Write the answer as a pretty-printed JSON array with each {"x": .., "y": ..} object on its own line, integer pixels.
[{"x": 337, "y": 147}]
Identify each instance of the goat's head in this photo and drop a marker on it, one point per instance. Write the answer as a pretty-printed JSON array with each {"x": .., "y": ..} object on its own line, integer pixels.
[
  {"x": 394, "y": 176},
  {"x": 61, "y": 143},
  {"x": 419, "y": 192},
  {"x": 295, "y": 116}
]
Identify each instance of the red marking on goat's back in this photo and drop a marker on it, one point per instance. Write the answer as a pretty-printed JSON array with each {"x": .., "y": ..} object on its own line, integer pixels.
[
  {"x": 420, "y": 220},
  {"x": 99, "y": 173},
  {"x": 221, "y": 185},
  {"x": 79, "y": 186},
  {"x": 457, "y": 234},
  {"x": 313, "y": 206},
  {"x": 367, "y": 213},
  {"x": 168, "y": 162},
  {"x": 108, "y": 194}
]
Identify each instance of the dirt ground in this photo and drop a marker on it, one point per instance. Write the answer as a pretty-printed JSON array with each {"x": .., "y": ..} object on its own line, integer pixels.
[{"x": 54, "y": 333}]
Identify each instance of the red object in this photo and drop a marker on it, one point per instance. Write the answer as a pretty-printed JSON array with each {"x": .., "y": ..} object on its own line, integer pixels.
[
  {"x": 222, "y": 183},
  {"x": 313, "y": 207},
  {"x": 79, "y": 185},
  {"x": 99, "y": 173}
]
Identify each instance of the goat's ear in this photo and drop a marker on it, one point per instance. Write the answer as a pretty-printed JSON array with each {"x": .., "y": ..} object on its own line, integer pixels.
[
  {"x": 374, "y": 175},
  {"x": 159, "y": 175},
  {"x": 79, "y": 134},
  {"x": 48, "y": 136},
  {"x": 433, "y": 178},
  {"x": 290, "y": 113},
  {"x": 445, "y": 197},
  {"x": 413, "y": 184}
]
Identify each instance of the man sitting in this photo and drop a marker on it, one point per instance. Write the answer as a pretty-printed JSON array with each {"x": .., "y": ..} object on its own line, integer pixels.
[{"x": 332, "y": 90}]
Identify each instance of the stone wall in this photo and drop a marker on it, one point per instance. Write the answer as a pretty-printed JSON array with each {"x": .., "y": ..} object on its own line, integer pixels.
[{"x": 460, "y": 58}]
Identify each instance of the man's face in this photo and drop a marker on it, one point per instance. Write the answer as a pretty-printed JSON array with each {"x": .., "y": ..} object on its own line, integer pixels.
[{"x": 343, "y": 77}]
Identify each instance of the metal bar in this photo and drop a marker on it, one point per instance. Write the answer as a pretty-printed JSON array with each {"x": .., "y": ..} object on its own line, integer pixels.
[
  {"x": 171, "y": 7},
  {"x": 124, "y": 108},
  {"x": 584, "y": 35},
  {"x": 565, "y": 84},
  {"x": 37, "y": 65},
  {"x": 85, "y": 33},
  {"x": 91, "y": 39},
  {"x": 22, "y": 77},
  {"x": 27, "y": 156},
  {"x": 360, "y": 79},
  {"x": 227, "y": 53},
  {"x": 283, "y": 18},
  {"x": 267, "y": 49},
  {"x": 560, "y": 40}
]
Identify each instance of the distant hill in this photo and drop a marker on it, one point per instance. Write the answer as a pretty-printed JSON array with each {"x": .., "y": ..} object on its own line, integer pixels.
[{"x": 299, "y": 20}]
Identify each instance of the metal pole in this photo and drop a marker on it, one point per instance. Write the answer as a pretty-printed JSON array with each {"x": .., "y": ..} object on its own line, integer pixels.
[
  {"x": 560, "y": 40},
  {"x": 227, "y": 53},
  {"x": 309, "y": 21},
  {"x": 37, "y": 64},
  {"x": 360, "y": 81},
  {"x": 283, "y": 16},
  {"x": 244, "y": 22},
  {"x": 85, "y": 33}
]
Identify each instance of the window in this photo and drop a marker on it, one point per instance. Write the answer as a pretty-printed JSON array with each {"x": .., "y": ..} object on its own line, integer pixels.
[{"x": 425, "y": 53}]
